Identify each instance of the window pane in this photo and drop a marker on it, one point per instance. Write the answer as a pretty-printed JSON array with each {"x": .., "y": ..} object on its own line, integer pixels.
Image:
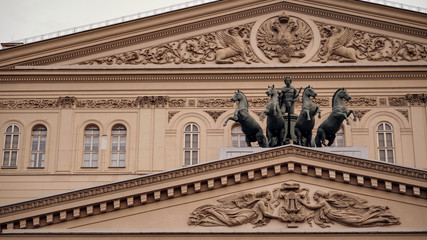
[
  {"x": 115, "y": 141},
  {"x": 87, "y": 143},
  {"x": 188, "y": 128},
  {"x": 389, "y": 140},
  {"x": 33, "y": 159},
  {"x": 187, "y": 140},
  {"x": 187, "y": 157},
  {"x": 42, "y": 144},
  {"x": 95, "y": 143},
  {"x": 122, "y": 143},
  {"x": 41, "y": 160},
  {"x": 6, "y": 156},
  {"x": 195, "y": 141},
  {"x": 387, "y": 127},
  {"x": 390, "y": 157},
  {"x": 8, "y": 142},
  {"x": 13, "y": 158},
  {"x": 381, "y": 142},
  {"x": 195, "y": 128},
  {"x": 94, "y": 163},
  {"x": 15, "y": 139},
  {"x": 243, "y": 141},
  {"x": 195, "y": 157},
  {"x": 35, "y": 144},
  {"x": 381, "y": 127},
  {"x": 382, "y": 155},
  {"x": 94, "y": 156},
  {"x": 9, "y": 129},
  {"x": 114, "y": 160},
  {"x": 234, "y": 140}
]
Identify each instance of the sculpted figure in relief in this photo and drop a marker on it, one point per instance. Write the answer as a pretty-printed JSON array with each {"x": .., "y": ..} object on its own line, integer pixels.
[
  {"x": 337, "y": 43},
  {"x": 236, "y": 210},
  {"x": 347, "y": 210},
  {"x": 234, "y": 45},
  {"x": 284, "y": 37}
]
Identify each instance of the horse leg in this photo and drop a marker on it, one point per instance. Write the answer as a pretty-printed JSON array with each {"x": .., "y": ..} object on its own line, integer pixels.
[
  {"x": 248, "y": 142},
  {"x": 269, "y": 137},
  {"x": 308, "y": 139},
  {"x": 354, "y": 115},
  {"x": 298, "y": 135},
  {"x": 228, "y": 119},
  {"x": 320, "y": 138},
  {"x": 262, "y": 141},
  {"x": 331, "y": 140},
  {"x": 318, "y": 110},
  {"x": 308, "y": 115}
]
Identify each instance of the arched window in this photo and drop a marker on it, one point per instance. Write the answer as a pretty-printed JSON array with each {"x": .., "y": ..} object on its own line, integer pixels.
[
  {"x": 91, "y": 143},
  {"x": 237, "y": 136},
  {"x": 385, "y": 142},
  {"x": 11, "y": 146},
  {"x": 191, "y": 144},
  {"x": 339, "y": 138},
  {"x": 38, "y": 146},
  {"x": 118, "y": 146}
]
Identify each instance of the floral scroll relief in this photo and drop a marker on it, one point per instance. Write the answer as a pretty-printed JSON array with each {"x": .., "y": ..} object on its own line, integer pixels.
[
  {"x": 343, "y": 44},
  {"x": 291, "y": 204},
  {"x": 225, "y": 46}
]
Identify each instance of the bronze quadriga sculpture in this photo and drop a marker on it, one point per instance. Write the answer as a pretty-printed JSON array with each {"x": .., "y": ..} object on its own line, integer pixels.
[
  {"x": 306, "y": 120},
  {"x": 275, "y": 123}
]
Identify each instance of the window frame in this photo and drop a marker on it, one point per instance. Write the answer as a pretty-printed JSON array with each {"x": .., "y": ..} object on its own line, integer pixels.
[
  {"x": 38, "y": 152},
  {"x": 119, "y": 150},
  {"x": 91, "y": 152},
  {"x": 194, "y": 152},
  {"x": 385, "y": 148},
  {"x": 13, "y": 135}
]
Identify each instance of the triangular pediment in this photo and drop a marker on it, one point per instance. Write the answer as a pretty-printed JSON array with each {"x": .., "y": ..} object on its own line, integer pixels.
[
  {"x": 228, "y": 34},
  {"x": 310, "y": 190}
]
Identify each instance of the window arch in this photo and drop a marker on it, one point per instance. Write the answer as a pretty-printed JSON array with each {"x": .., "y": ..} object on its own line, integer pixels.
[
  {"x": 385, "y": 142},
  {"x": 238, "y": 138},
  {"x": 11, "y": 146},
  {"x": 91, "y": 146},
  {"x": 38, "y": 146},
  {"x": 191, "y": 144},
  {"x": 118, "y": 146}
]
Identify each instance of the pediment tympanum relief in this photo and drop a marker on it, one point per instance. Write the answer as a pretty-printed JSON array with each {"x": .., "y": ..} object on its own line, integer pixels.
[
  {"x": 283, "y": 39},
  {"x": 292, "y": 204}
]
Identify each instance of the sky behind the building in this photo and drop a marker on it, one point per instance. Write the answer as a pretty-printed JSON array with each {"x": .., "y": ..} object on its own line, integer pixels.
[{"x": 21, "y": 19}]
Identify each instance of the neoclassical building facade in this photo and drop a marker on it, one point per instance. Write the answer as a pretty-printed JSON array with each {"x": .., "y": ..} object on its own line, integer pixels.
[{"x": 149, "y": 97}]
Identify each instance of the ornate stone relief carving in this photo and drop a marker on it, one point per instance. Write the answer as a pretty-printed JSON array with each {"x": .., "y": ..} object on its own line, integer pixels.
[
  {"x": 360, "y": 113},
  {"x": 363, "y": 101},
  {"x": 226, "y": 46},
  {"x": 152, "y": 101},
  {"x": 291, "y": 204},
  {"x": 29, "y": 103},
  {"x": 214, "y": 103},
  {"x": 215, "y": 114},
  {"x": 178, "y": 103},
  {"x": 404, "y": 112},
  {"x": 284, "y": 37},
  {"x": 171, "y": 114},
  {"x": 397, "y": 101},
  {"x": 416, "y": 99},
  {"x": 349, "y": 45},
  {"x": 107, "y": 103}
]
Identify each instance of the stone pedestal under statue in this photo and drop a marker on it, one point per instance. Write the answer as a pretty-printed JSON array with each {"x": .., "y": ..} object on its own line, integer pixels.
[{"x": 292, "y": 126}]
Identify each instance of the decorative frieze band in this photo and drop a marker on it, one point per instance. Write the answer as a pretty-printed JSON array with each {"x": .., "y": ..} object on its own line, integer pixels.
[{"x": 211, "y": 103}]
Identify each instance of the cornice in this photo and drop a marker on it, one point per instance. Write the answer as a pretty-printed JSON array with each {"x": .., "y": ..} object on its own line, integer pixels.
[
  {"x": 227, "y": 172},
  {"x": 198, "y": 25},
  {"x": 111, "y": 76}
]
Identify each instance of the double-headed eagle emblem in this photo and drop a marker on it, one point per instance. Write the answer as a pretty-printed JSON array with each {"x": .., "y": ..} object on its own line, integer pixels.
[{"x": 284, "y": 37}]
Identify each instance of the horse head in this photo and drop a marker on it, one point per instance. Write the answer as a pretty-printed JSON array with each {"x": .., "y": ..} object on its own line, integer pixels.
[
  {"x": 308, "y": 91},
  {"x": 343, "y": 94},
  {"x": 271, "y": 91},
  {"x": 237, "y": 96}
]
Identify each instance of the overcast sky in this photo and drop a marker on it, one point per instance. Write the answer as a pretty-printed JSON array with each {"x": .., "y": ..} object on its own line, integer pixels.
[{"x": 21, "y": 19}]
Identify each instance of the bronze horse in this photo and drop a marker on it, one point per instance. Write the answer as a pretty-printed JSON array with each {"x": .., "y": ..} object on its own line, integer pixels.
[
  {"x": 332, "y": 124},
  {"x": 306, "y": 120},
  {"x": 275, "y": 123},
  {"x": 251, "y": 129}
]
